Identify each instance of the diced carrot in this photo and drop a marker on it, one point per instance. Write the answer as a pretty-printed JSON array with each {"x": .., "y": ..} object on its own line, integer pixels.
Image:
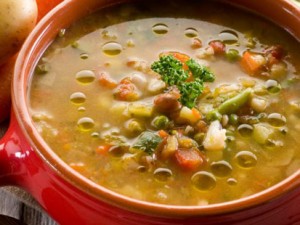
[
  {"x": 252, "y": 62},
  {"x": 218, "y": 47},
  {"x": 197, "y": 115},
  {"x": 106, "y": 81},
  {"x": 189, "y": 159},
  {"x": 163, "y": 134},
  {"x": 103, "y": 149}
]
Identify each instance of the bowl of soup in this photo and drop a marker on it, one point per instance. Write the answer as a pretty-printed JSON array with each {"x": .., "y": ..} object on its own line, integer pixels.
[{"x": 125, "y": 112}]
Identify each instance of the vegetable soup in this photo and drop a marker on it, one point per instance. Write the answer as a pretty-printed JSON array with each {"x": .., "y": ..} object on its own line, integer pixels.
[{"x": 190, "y": 105}]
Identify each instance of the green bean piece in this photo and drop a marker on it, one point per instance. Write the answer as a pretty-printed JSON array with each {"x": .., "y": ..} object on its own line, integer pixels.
[{"x": 233, "y": 104}]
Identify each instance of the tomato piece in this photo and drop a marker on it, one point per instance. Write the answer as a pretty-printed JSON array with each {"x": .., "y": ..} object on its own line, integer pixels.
[
  {"x": 218, "y": 47},
  {"x": 126, "y": 91},
  {"x": 189, "y": 159},
  {"x": 274, "y": 54}
]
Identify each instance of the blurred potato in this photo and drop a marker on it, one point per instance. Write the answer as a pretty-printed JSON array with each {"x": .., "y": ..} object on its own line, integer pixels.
[{"x": 17, "y": 19}]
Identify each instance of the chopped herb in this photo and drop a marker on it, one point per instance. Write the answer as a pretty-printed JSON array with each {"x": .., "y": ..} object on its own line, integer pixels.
[
  {"x": 200, "y": 71},
  {"x": 190, "y": 91},
  {"x": 170, "y": 70},
  {"x": 147, "y": 142},
  {"x": 172, "y": 73}
]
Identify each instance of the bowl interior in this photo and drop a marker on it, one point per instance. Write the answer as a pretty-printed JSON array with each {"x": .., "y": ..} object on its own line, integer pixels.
[{"x": 283, "y": 13}]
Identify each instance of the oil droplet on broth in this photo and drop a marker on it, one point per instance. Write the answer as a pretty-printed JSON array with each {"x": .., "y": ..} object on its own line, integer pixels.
[
  {"x": 112, "y": 48},
  {"x": 246, "y": 159},
  {"x": 204, "y": 181},
  {"x": 85, "y": 123},
  {"x": 191, "y": 32},
  {"x": 85, "y": 76},
  {"x": 84, "y": 56},
  {"x": 77, "y": 98},
  {"x": 160, "y": 28},
  {"x": 229, "y": 37},
  {"x": 81, "y": 109}
]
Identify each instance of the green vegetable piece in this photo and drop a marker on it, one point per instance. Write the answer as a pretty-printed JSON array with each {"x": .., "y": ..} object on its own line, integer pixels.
[
  {"x": 190, "y": 91},
  {"x": 213, "y": 115},
  {"x": 147, "y": 142},
  {"x": 233, "y": 55},
  {"x": 161, "y": 122},
  {"x": 172, "y": 73},
  {"x": 233, "y": 104},
  {"x": 170, "y": 69},
  {"x": 135, "y": 126},
  {"x": 233, "y": 119},
  {"x": 200, "y": 71},
  {"x": 42, "y": 69}
]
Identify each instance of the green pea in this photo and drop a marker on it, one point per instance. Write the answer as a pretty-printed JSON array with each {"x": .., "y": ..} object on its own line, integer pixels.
[
  {"x": 160, "y": 122},
  {"x": 213, "y": 115},
  {"x": 232, "y": 55}
]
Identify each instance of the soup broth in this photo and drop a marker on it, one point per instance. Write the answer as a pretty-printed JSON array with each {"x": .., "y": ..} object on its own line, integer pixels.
[{"x": 177, "y": 105}]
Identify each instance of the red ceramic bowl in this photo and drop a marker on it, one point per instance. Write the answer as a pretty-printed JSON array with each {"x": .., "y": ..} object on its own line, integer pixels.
[{"x": 26, "y": 161}]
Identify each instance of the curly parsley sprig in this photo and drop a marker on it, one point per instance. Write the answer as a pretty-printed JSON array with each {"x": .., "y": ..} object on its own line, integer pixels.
[{"x": 172, "y": 73}]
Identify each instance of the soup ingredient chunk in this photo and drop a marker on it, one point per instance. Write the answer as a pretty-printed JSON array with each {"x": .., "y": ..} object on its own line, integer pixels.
[{"x": 188, "y": 81}]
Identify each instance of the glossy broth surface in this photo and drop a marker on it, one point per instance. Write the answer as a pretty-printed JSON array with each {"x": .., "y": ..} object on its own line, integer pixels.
[{"x": 103, "y": 108}]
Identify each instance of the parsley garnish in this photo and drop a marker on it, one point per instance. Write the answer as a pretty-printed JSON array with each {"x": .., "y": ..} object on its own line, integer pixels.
[{"x": 172, "y": 73}]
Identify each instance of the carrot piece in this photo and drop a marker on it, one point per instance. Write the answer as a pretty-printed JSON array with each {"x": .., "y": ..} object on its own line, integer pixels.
[
  {"x": 189, "y": 159},
  {"x": 197, "y": 115},
  {"x": 252, "y": 62},
  {"x": 106, "y": 81},
  {"x": 163, "y": 134},
  {"x": 103, "y": 149}
]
